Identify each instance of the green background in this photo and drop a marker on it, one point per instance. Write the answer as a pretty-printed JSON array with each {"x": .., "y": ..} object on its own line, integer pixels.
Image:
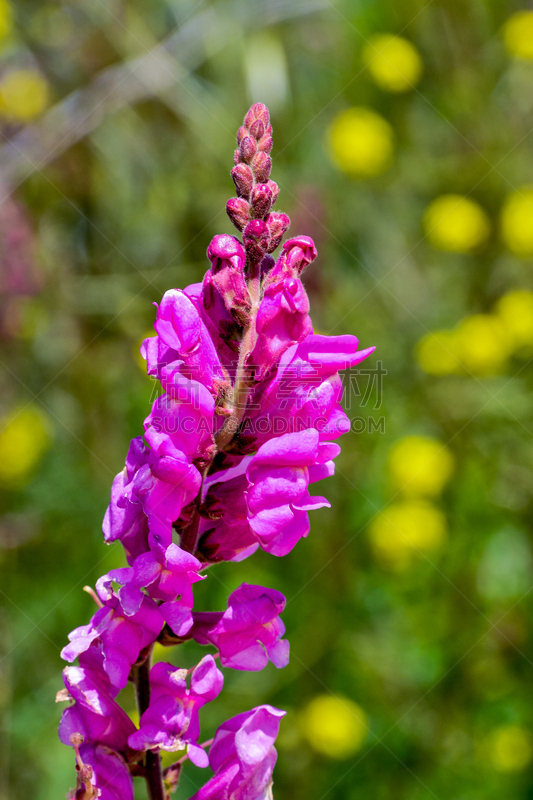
[{"x": 123, "y": 210}]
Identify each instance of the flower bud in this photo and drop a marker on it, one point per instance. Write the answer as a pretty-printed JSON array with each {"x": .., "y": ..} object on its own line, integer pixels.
[
  {"x": 257, "y": 111},
  {"x": 265, "y": 143},
  {"x": 241, "y": 133},
  {"x": 261, "y": 165},
  {"x": 243, "y": 178},
  {"x": 278, "y": 224},
  {"x": 257, "y": 129},
  {"x": 261, "y": 200},
  {"x": 248, "y": 148},
  {"x": 256, "y": 239},
  {"x": 274, "y": 188},
  {"x": 238, "y": 210},
  {"x": 237, "y": 156}
]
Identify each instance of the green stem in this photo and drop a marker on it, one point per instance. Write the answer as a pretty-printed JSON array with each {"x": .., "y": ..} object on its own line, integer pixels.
[{"x": 154, "y": 779}]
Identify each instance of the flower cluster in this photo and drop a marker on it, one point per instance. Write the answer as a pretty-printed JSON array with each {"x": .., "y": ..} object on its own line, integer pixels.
[{"x": 245, "y": 423}]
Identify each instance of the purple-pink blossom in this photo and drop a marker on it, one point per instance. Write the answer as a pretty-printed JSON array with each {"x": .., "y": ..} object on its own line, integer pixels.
[
  {"x": 243, "y": 756},
  {"x": 119, "y": 636},
  {"x": 249, "y": 633},
  {"x": 171, "y": 721},
  {"x": 169, "y": 578},
  {"x": 95, "y": 714},
  {"x": 249, "y": 407}
]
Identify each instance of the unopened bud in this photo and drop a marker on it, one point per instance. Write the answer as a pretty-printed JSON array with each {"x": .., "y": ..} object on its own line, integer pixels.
[
  {"x": 239, "y": 212},
  {"x": 261, "y": 200},
  {"x": 261, "y": 165},
  {"x": 237, "y": 156},
  {"x": 274, "y": 188},
  {"x": 241, "y": 133},
  {"x": 265, "y": 143},
  {"x": 257, "y": 129},
  {"x": 248, "y": 148},
  {"x": 243, "y": 178},
  {"x": 257, "y": 111},
  {"x": 278, "y": 224},
  {"x": 256, "y": 239}
]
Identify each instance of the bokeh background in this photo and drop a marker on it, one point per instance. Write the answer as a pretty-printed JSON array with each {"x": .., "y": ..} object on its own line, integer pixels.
[{"x": 404, "y": 146}]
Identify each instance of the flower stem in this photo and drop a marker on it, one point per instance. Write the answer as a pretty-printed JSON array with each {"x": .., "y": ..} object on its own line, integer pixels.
[
  {"x": 242, "y": 385},
  {"x": 153, "y": 774}
]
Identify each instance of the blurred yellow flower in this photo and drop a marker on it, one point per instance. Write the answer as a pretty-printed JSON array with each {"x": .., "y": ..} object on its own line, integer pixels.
[
  {"x": 510, "y": 748},
  {"x": 393, "y": 62},
  {"x": 483, "y": 344},
  {"x": 334, "y": 726},
  {"x": 420, "y": 465},
  {"x": 23, "y": 95},
  {"x": 518, "y": 34},
  {"x": 407, "y": 529},
  {"x": 24, "y": 437},
  {"x": 438, "y": 354},
  {"x": 517, "y": 222},
  {"x": 515, "y": 310},
  {"x": 361, "y": 142},
  {"x": 456, "y": 223},
  {"x": 6, "y": 19}
]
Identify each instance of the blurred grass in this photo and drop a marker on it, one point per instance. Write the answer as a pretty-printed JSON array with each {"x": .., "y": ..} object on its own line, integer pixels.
[{"x": 433, "y": 645}]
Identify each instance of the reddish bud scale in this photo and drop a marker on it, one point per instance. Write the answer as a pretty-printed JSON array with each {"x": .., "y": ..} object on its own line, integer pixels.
[
  {"x": 241, "y": 133},
  {"x": 257, "y": 129},
  {"x": 257, "y": 111},
  {"x": 278, "y": 224},
  {"x": 239, "y": 212},
  {"x": 261, "y": 200},
  {"x": 243, "y": 179},
  {"x": 261, "y": 165},
  {"x": 265, "y": 143},
  {"x": 248, "y": 149},
  {"x": 256, "y": 238}
]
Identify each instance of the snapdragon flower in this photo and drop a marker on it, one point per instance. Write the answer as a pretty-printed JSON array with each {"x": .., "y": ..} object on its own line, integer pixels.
[{"x": 247, "y": 420}]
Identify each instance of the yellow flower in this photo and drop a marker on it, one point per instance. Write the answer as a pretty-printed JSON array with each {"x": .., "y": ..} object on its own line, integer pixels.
[
  {"x": 393, "y": 62},
  {"x": 361, "y": 142},
  {"x": 438, "y": 354},
  {"x": 334, "y": 726},
  {"x": 24, "y": 437},
  {"x": 483, "y": 344},
  {"x": 6, "y": 19},
  {"x": 456, "y": 223},
  {"x": 407, "y": 529},
  {"x": 23, "y": 95},
  {"x": 515, "y": 310},
  {"x": 518, "y": 34},
  {"x": 419, "y": 465},
  {"x": 517, "y": 222},
  {"x": 510, "y": 748}
]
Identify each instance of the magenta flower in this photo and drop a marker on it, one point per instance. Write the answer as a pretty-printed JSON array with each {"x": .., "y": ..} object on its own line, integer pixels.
[
  {"x": 120, "y": 637},
  {"x": 171, "y": 720},
  {"x": 243, "y": 757},
  {"x": 183, "y": 343},
  {"x": 106, "y": 772},
  {"x": 95, "y": 714},
  {"x": 278, "y": 498},
  {"x": 248, "y": 634},
  {"x": 251, "y": 402},
  {"x": 168, "y": 579}
]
